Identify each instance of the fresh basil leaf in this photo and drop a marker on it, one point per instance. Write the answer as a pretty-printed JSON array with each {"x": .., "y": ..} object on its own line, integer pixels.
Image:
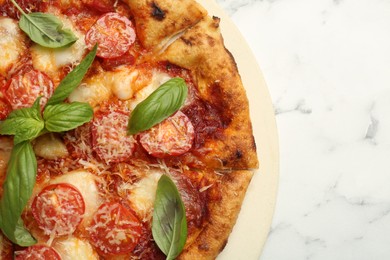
[
  {"x": 46, "y": 30},
  {"x": 66, "y": 116},
  {"x": 24, "y": 123},
  {"x": 169, "y": 224},
  {"x": 73, "y": 79},
  {"x": 161, "y": 104},
  {"x": 17, "y": 190}
]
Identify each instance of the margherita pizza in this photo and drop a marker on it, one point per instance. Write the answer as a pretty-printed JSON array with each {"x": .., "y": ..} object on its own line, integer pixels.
[{"x": 124, "y": 131}]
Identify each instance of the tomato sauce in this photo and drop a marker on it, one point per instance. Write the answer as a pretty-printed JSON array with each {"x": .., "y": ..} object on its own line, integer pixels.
[{"x": 206, "y": 118}]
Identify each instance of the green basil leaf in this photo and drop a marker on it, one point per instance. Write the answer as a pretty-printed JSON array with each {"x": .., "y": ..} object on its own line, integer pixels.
[
  {"x": 73, "y": 79},
  {"x": 46, "y": 30},
  {"x": 17, "y": 190},
  {"x": 169, "y": 224},
  {"x": 161, "y": 104},
  {"x": 24, "y": 123},
  {"x": 66, "y": 116}
]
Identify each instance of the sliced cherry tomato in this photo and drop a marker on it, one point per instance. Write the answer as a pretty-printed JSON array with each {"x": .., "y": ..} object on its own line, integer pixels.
[
  {"x": 114, "y": 230},
  {"x": 173, "y": 136},
  {"x": 5, "y": 108},
  {"x": 110, "y": 140},
  {"x": 23, "y": 89},
  {"x": 125, "y": 59},
  {"x": 113, "y": 33},
  {"x": 58, "y": 208},
  {"x": 37, "y": 252},
  {"x": 103, "y": 6}
]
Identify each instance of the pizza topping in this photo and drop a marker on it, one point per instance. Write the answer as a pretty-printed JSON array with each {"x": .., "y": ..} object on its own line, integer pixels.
[
  {"x": 125, "y": 59},
  {"x": 50, "y": 146},
  {"x": 45, "y": 29},
  {"x": 161, "y": 104},
  {"x": 173, "y": 136},
  {"x": 58, "y": 209},
  {"x": 109, "y": 136},
  {"x": 37, "y": 252},
  {"x": 17, "y": 189},
  {"x": 114, "y": 229},
  {"x": 142, "y": 193},
  {"x": 86, "y": 183},
  {"x": 13, "y": 41},
  {"x": 169, "y": 224},
  {"x": 194, "y": 201},
  {"x": 71, "y": 248},
  {"x": 6, "y": 248},
  {"x": 103, "y": 6},
  {"x": 22, "y": 90},
  {"x": 79, "y": 142},
  {"x": 208, "y": 122},
  {"x": 113, "y": 33},
  {"x": 73, "y": 79},
  {"x": 5, "y": 108}
]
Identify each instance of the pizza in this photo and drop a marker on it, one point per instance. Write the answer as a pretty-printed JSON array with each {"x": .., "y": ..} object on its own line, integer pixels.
[{"x": 124, "y": 131}]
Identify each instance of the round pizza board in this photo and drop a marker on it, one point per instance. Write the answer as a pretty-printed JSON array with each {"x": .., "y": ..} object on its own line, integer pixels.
[{"x": 254, "y": 222}]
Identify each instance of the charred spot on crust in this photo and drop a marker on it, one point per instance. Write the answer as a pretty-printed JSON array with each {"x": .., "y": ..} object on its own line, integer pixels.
[
  {"x": 223, "y": 245},
  {"x": 157, "y": 12},
  {"x": 204, "y": 247},
  {"x": 186, "y": 41},
  {"x": 238, "y": 154},
  {"x": 215, "y": 22}
]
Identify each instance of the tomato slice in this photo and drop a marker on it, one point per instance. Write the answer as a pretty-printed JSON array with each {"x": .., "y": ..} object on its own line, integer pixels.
[
  {"x": 37, "y": 252},
  {"x": 114, "y": 230},
  {"x": 113, "y": 33},
  {"x": 125, "y": 59},
  {"x": 58, "y": 208},
  {"x": 173, "y": 136},
  {"x": 5, "y": 108},
  {"x": 23, "y": 89},
  {"x": 110, "y": 140}
]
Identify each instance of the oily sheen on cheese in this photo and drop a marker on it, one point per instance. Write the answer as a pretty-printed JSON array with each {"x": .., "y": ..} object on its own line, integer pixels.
[
  {"x": 142, "y": 194},
  {"x": 124, "y": 83},
  {"x": 73, "y": 248},
  {"x": 11, "y": 44}
]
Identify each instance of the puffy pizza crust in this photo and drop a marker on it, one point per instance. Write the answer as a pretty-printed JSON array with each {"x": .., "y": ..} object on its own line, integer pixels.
[
  {"x": 201, "y": 50},
  {"x": 223, "y": 214},
  {"x": 157, "y": 21}
]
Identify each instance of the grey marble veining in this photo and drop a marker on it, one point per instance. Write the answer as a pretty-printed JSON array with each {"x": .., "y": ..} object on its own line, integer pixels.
[{"x": 327, "y": 67}]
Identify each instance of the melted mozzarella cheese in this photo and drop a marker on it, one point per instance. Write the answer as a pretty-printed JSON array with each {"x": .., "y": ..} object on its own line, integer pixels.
[
  {"x": 143, "y": 193},
  {"x": 74, "y": 248},
  {"x": 93, "y": 91},
  {"x": 157, "y": 80},
  {"x": 51, "y": 60},
  {"x": 85, "y": 182},
  {"x": 50, "y": 147},
  {"x": 123, "y": 82},
  {"x": 11, "y": 43}
]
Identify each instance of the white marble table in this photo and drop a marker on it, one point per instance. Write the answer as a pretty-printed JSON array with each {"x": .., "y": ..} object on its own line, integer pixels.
[{"x": 327, "y": 67}]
